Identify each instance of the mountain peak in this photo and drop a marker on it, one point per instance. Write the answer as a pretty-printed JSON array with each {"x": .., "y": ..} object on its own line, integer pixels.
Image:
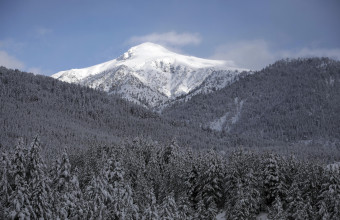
[
  {"x": 144, "y": 54},
  {"x": 148, "y": 46},
  {"x": 144, "y": 50},
  {"x": 159, "y": 71}
]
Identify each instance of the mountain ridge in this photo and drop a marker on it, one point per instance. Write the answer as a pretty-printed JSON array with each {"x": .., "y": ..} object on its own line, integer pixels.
[
  {"x": 167, "y": 74},
  {"x": 290, "y": 100}
]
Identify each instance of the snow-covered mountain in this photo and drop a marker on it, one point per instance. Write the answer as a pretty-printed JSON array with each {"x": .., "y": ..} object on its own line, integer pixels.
[{"x": 151, "y": 75}]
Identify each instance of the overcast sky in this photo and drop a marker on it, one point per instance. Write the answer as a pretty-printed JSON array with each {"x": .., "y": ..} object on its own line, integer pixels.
[{"x": 49, "y": 36}]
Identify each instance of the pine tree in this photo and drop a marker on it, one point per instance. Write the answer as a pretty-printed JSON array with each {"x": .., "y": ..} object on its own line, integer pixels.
[
  {"x": 169, "y": 210},
  {"x": 121, "y": 204},
  {"x": 193, "y": 187},
  {"x": 76, "y": 195},
  {"x": 323, "y": 211},
  {"x": 66, "y": 188},
  {"x": 5, "y": 189},
  {"x": 40, "y": 192},
  {"x": 241, "y": 209},
  {"x": 272, "y": 182},
  {"x": 184, "y": 210},
  {"x": 99, "y": 193},
  {"x": 310, "y": 212},
  {"x": 251, "y": 193},
  {"x": 329, "y": 196},
  {"x": 96, "y": 207},
  {"x": 201, "y": 212},
  {"x": 151, "y": 210},
  {"x": 241, "y": 188},
  {"x": 296, "y": 205},
  {"x": 276, "y": 211},
  {"x": 212, "y": 187},
  {"x": 141, "y": 189},
  {"x": 20, "y": 205},
  {"x": 174, "y": 172},
  {"x": 312, "y": 183}
]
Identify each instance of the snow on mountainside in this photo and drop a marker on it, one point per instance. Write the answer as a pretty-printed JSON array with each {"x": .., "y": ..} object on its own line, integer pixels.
[{"x": 150, "y": 75}]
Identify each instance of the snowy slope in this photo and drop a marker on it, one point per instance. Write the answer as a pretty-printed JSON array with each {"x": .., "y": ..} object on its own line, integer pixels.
[
  {"x": 148, "y": 74},
  {"x": 229, "y": 118}
]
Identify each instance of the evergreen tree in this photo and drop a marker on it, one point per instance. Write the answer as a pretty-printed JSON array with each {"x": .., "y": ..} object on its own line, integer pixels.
[
  {"x": 241, "y": 188},
  {"x": 193, "y": 186},
  {"x": 251, "y": 193},
  {"x": 94, "y": 194},
  {"x": 201, "y": 211},
  {"x": 76, "y": 195},
  {"x": 169, "y": 210},
  {"x": 121, "y": 204},
  {"x": 276, "y": 211},
  {"x": 272, "y": 185},
  {"x": 296, "y": 205},
  {"x": 66, "y": 189},
  {"x": 184, "y": 210},
  {"x": 140, "y": 191},
  {"x": 329, "y": 196},
  {"x": 151, "y": 210},
  {"x": 242, "y": 209},
  {"x": 5, "y": 189},
  {"x": 323, "y": 211},
  {"x": 20, "y": 205},
  {"x": 212, "y": 186},
  {"x": 310, "y": 212},
  {"x": 40, "y": 192},
  {"x": 312, "y": 183}
]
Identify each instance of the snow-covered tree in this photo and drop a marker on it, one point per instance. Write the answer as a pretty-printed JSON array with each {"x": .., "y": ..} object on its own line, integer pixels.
[
  {"x": 242, "y": 186},
  {"x": 66, "y": 191},
  {"x": 184, "y": 210},
  {"x": 329, "y": 196},
  {"x": 311, "y": 182},
  {"x": 212, "y": 182},
  {"x": 193, "y": 186},
  {"x": 323, "y": 211},
  {"x": 119, "y": 194},
  {"x": 296, "y": 206},
  {"x": 201, "y": 211},
  {"x": 272, "y": 185},
  {"x": 276, "y": 211},
  {"x": 5, "y": 189},
  {"x": 140, "y": 191},
  {"x": 151, "y": 211},
  {"x": 95, "y": 197},
  {"x": 251, "y": 193},
  {"x": 245, "y": 202},
  {"x": 169, "y": 210},
  {"x": 20, "y": 205},
  {"x": 39, "y": 183}
]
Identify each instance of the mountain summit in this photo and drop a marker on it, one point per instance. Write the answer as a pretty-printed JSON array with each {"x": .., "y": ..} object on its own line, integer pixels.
[{"x": 148, "y": 74}]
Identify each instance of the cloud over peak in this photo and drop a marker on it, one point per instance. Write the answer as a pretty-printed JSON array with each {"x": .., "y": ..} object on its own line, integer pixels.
[{"x": 172, "y": 39}]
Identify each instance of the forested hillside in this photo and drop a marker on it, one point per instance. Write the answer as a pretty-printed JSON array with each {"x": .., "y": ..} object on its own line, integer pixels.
[
  {"x": 290, "y": 100},
  {"x": 64, "y": 114}
]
